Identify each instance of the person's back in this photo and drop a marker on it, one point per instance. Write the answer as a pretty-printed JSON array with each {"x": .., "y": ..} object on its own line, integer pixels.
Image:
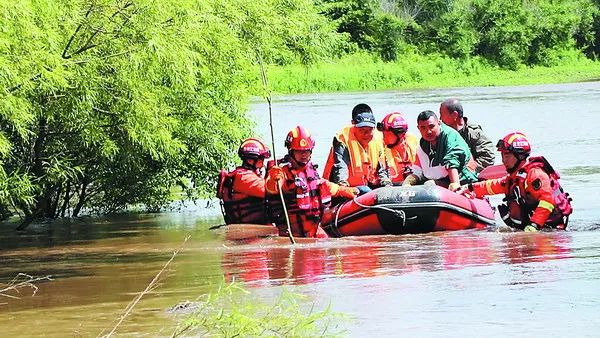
[
  {"x": 480, "y": 146},
  {"x": 242, "y": 190},
  {"x": 357, "y": 156}
]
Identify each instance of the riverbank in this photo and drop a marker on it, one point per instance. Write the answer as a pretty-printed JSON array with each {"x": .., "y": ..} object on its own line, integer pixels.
[{"x": 362, "y": 72}]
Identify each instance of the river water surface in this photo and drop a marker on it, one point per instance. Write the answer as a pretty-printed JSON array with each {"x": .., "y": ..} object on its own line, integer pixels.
[{"x": 465, "y": 283}]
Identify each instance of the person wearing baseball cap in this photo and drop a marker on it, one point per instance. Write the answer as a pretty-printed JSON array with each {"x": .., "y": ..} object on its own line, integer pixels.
[{"x": 357, "y": 156}]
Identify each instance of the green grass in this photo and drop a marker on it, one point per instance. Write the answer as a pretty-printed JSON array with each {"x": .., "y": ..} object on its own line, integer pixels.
[
  {"x": 362, "y": 72},
  {"x": 233, "y": 311}
]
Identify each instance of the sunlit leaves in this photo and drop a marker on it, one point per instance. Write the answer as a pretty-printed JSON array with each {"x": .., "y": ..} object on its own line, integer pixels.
[
  {"x": 110, "y": 103},
  {"x": 233, "y": 311}
]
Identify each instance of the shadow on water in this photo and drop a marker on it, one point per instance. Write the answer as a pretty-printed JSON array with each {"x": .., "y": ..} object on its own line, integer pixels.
[
  {"x": 74, "y": 247},
  {"x": 78, "y": 230}
]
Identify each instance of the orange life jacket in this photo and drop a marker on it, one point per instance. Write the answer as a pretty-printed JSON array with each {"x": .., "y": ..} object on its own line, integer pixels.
[
  {"x": 305, "y": 203},
  {"x": 236, "y": 206},
  {"x": 363, "y": 162},
  {"x": 521, "y": 204},
  {"x": 401, "y": 157}
]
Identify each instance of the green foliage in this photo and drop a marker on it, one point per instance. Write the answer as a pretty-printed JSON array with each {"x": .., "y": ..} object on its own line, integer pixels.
[
  {"x": 354, "y": 17},
  {"x": 509, "y": 33},
  {"x": 587, "y": 35},
  {"x": 452, "y": 32},
  {"x": 368, "y": 72},
  {"x": 233, "y": 312},
  {"x": 387, "y": 36},
  {"x": 106, "y": 104}
]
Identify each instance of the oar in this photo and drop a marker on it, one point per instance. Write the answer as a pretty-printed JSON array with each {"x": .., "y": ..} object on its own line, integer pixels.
[
  {"x": 240, "y": 231},
  {"x": 494, "y": 171}
]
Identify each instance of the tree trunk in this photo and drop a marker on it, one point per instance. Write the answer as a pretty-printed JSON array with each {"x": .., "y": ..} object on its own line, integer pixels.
[
  {"x": 66, "y": 200},
  {"x": 82, "y": 197},
  {"x": 41, "y": 202},
  {"x": 51, "y": 211}
]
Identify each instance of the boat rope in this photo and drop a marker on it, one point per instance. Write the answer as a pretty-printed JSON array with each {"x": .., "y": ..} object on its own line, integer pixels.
[{"x": 398, "y": 213}]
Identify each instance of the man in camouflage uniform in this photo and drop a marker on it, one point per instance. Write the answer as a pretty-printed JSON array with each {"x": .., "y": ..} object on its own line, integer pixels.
[{"x": 482, "y": 149}]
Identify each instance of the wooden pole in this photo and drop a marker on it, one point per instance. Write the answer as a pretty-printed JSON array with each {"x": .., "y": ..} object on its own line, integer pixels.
[{"x": 267, "y": 95}]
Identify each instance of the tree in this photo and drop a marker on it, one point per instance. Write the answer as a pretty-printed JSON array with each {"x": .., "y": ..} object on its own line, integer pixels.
[{"x": 106, "y": 104}]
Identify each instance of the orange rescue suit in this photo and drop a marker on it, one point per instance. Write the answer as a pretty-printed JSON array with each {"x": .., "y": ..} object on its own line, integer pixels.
[
  {"x": 532, "y": 194},
  {"x": 242, "y": 193},
  {"x": 306, "y": 196}
]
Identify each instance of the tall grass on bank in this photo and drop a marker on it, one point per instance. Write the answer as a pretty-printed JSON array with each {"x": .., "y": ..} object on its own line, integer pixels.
[
  {"x": 366, "y": 72},
  {"x": 235, "y": 312}
]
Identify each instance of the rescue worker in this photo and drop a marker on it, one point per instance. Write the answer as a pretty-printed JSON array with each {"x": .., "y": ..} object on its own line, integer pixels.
[
  {"x": 306, "y": 194},
  {"x": 242, "y": 190},
  {"x": 401, "y": 146},
  {"x": 357, "y": 156},
  {"x": 534, "y": 197},
  {"x": 442, "y": 155},
  {"x": 482, "y": 149}
]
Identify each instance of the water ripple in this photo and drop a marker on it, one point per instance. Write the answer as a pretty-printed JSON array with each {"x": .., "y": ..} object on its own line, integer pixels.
[{"x": 581, "y": 170}]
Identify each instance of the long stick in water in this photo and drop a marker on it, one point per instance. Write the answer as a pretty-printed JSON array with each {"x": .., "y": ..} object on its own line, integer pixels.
[
  {"x": 148, "y": 288},
  {"x": 267, "y": 95}
]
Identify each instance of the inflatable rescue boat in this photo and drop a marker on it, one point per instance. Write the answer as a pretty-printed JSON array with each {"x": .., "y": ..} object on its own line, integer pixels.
[{"x": 403, "y": 210}]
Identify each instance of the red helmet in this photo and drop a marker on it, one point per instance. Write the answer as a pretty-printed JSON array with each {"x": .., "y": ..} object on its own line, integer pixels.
[
  {"x": 516, "y": 143},
  {"x": 253, "y": 148},
  {"x": 394, "y": 122},
  {"x": 299, "y": 139}
]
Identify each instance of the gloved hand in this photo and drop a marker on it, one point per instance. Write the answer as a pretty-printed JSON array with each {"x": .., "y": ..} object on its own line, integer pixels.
[
  {"x": 343, "y": 183},
  {"x": 531, "y": 228},
  {"x": 276, "y": 173},
  {"x": 348, "y": 192},
  {"x": 385, "y": 182},
  {"x": 454, "y": 186}
]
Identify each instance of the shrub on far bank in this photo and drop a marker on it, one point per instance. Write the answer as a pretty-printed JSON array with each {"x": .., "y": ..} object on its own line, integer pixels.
[{"x": 365, "y": 72}]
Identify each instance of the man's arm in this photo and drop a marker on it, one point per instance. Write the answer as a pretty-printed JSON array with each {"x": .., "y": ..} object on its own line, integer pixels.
[
  {"x": 454, "y": 179},
  {"x": 482, "y": 150},
  {"x": 383, "y": 172},
  {"x": 488, "y": 187},
  {"x": 538, "y": 185},
  {"x": 341, "y": 161}
]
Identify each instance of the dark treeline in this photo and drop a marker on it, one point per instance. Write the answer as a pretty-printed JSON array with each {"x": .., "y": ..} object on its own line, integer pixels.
[
  {"x": 507, "y": 33},
  {"x": 105, "y": 104}
]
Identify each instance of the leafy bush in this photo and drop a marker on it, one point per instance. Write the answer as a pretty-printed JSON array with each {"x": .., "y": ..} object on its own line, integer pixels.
[{"x": 233, "y": 312}]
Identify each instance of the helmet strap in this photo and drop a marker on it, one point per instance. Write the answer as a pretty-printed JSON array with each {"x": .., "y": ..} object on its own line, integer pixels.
[
  {"x": 247, "y": 165},
  {"x": 517, "y": 164}
]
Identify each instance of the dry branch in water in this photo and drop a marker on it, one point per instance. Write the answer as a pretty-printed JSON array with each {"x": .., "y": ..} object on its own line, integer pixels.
[
  {"x": 149, "y": 288},
  {"x": 21, "y": 281}
]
